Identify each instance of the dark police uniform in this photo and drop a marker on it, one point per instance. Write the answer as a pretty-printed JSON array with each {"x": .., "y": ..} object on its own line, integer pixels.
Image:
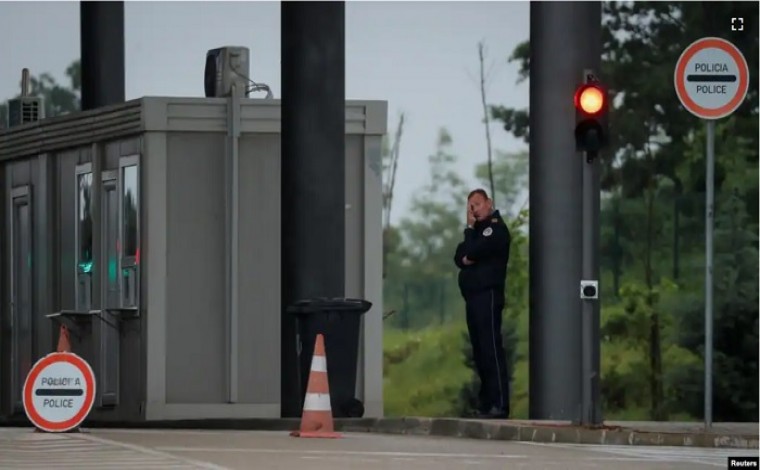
[{"x": 482, "y": 286}]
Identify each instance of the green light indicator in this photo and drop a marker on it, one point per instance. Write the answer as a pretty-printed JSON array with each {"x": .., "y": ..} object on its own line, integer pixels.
[
  {"x": 112, "y": 270},
  {"x": 85, "y": 266}
]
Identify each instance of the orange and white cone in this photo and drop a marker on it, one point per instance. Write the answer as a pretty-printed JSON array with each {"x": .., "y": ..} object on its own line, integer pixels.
[
  {"x": 64, "y": 345},
  {"x": 317, "y": 419}
]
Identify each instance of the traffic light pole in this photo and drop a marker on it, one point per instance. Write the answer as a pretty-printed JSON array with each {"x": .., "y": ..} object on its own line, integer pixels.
[{"x": 591, "y": 413}]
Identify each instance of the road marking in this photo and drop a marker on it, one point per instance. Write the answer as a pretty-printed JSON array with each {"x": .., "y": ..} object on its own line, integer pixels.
[
  {"x": 713, "y": 457},
  {"x": 24, "y": 449},
  {"x": 342, "y": 452},
  {"x": 154, "y": 452},
  {"x": 404, "y": 459}
]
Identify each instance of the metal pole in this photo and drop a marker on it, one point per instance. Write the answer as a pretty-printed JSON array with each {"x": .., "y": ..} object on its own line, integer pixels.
[
  {"x": 709, "y": 220},
  {"x": 565, "y": 38},
  {"x": 233, "y": 242},
  {"x": 590, "y": 409},
  {"x": 590, "y": 307}
]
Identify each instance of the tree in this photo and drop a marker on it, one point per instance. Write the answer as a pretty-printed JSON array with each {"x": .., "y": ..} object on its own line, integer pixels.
[
  {"x": 57, "y": 99},
  {"x": 390, "y": 158},
  {"x": 735, "y": 274},
  {"x": 420, "y": 270},
  {"x": 486, "y": 116},
  {"x": 510, "y": 175}
]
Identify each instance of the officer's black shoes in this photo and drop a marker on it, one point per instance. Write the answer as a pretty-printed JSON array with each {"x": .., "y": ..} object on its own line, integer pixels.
[
  {"x": 492, "y": 413},
  {"x": 495, "y": 413},
  {"x": 472, "y": 414}
]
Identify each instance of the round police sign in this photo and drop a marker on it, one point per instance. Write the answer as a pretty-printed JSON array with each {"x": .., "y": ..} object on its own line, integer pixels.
[
  {"x": 711, "y": 78},
  {"x": 59, "y": 392}
]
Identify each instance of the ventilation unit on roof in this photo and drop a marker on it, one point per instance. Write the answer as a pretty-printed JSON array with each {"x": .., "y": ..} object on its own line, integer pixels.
[{"x": 25, "y": 108}]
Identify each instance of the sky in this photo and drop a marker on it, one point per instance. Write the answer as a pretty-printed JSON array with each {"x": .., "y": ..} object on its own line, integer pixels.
[{"x": 420, "y": 57}]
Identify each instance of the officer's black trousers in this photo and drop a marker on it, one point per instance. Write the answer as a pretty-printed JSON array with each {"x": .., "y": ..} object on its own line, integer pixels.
[{"x": 484, "y": 325}]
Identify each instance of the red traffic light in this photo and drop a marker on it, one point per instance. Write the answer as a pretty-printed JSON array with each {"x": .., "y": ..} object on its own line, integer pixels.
[{"x": 589, "y": 99}]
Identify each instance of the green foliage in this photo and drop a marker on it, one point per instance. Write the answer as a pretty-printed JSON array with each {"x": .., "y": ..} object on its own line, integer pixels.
[
  {"x": 421, "y": 279},
  {"x": 510, "y": 172},
  {"x": 427, "y": 372}
]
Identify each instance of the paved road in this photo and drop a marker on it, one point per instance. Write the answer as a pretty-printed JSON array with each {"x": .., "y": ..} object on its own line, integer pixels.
[{"x": 232, "y": 450}]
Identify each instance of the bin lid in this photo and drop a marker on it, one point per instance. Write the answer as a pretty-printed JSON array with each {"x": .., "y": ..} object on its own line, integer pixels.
[{"x": 335, "y": 304}]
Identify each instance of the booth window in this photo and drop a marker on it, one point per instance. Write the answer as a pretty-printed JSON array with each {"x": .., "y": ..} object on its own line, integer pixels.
[
  {"x": 130, "y": 211},
  {"x": 84, "y": 237},
  {"x": 130, "y": 231},
  {"x": 85, "y": 223}
]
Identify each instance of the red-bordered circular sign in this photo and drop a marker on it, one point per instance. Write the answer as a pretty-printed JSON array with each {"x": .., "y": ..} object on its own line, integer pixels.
[
  {"x": 711, "y": 78},
  {"x": 59, "y": 392}
]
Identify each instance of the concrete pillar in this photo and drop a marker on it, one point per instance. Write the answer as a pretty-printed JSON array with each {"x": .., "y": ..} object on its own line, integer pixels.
[
  {"x": 565, "y": 39},
  {"x": 313, "y": 167},
  {"x": 102, "y": 49}
]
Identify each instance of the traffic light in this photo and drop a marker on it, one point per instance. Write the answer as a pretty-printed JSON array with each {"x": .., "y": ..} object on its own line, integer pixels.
[{"x": 591, "y": 124}]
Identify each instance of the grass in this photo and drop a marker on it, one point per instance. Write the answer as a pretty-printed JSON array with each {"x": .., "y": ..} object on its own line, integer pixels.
[{"x": 424, "y": 371}]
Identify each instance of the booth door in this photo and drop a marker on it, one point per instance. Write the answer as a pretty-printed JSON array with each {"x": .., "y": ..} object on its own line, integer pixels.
[
  {"x": 21, "y": 289},
  {"x": 109, "y": 336}
]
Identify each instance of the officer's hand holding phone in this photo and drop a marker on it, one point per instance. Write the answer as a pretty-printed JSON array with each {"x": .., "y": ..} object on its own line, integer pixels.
[
  {"x": 470, "y": 216},
  {"x": 470, "y": 223}
]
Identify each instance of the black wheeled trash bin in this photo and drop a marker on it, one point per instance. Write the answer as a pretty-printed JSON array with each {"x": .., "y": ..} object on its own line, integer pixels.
[{"x": 338, "y": 320}]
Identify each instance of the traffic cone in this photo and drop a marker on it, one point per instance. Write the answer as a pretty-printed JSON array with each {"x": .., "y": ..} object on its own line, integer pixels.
[
  {"x": 63, "y": 340},
  {"x": 317, "y": 419}
]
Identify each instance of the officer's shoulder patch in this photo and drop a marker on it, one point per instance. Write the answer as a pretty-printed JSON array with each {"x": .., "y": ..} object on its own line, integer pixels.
[{"x": 487, "y": 232}]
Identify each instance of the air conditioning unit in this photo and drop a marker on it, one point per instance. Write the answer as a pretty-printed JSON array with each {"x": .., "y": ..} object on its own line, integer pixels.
[
  {"x": 24, "y": 110},
  {"x": 225, "y": 67}
]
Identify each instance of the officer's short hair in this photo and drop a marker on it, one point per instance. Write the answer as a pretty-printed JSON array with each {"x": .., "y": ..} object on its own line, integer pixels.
[{"x": 480, "y": 191}]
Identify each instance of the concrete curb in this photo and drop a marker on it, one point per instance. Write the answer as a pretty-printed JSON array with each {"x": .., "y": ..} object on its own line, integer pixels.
[
  {"x": 519, "y": 431},
  {"x": 567, "y": 434}
]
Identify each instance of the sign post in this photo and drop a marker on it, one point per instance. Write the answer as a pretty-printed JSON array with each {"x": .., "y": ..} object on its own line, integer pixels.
[
  {"x": 59, "y": 392},
  {"x": 711, "y": 80}
]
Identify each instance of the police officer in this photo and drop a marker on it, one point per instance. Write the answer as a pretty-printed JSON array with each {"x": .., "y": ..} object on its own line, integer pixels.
[{"x": 482, "y": 260}]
